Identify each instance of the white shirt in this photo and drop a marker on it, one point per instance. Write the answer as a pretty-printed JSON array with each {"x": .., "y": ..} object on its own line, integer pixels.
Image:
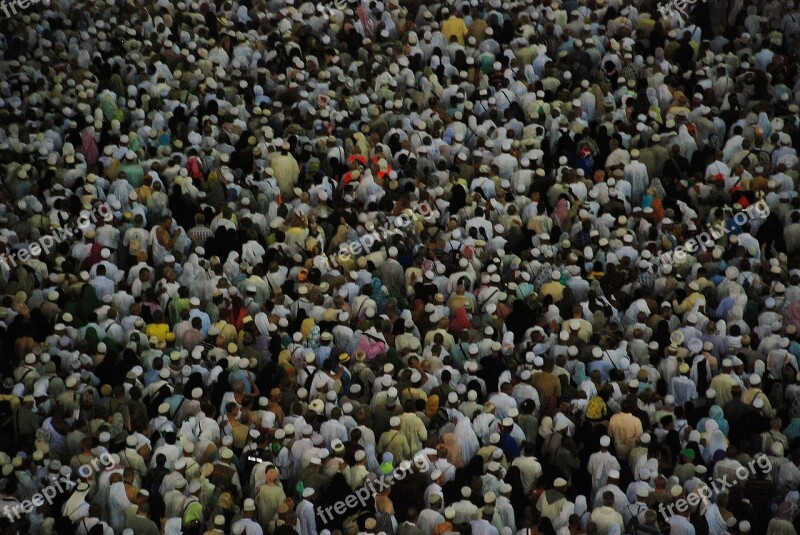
[
  {"x": 250, "y": 527},
  {"x": 306, "y": 523}
]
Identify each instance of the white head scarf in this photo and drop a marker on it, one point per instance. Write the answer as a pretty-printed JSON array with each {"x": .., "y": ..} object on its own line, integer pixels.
[
  {"x": 716, "y": 442},
  {"x": 262, "y": 323},
  {"x": 76, "y": 506},
  {"x": 466, "y": 438}
]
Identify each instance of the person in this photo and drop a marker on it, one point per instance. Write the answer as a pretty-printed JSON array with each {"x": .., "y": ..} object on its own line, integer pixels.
[
  {"x": 247, "y": 524},
  {"x": 305, "y": 513}
]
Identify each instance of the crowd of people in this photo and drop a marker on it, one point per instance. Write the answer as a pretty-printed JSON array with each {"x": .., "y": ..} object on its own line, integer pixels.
[{"x": 394, "y": 267}]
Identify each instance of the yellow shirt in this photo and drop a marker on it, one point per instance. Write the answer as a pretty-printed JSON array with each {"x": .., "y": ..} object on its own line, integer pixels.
[
  {"x": 454, "y": 26},
  {"x": 686, "y": 304},
  {"x": 159, "y": 330},
  {"x": 554, "y": 289}
]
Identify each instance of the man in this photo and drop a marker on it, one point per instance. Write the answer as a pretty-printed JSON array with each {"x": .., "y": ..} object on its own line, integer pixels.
[
  {"x": 465, "y": 511},
  {"x": 552, "y": 501},
  {"x": 679, "y": 523},
  {"x": 306, "y": 518},
  {"x": 394, "y": 442},
  {"x": 286, "y": 170},
  {"x": 625, "y": 429},
  {"x": 409, "y": 527},
  {"x": 723, "y": 383},
  {"x": 754, "y": 392},
  {"x": 431, "y": 516},
  {"x": 605, "y": 515},
  {"x": 600, "y": 463},
  {"x": 269, "y": 497},
  {"x": 483, "y": 526},
  {"x": 246, "y": 525},
  {"x": 454, "y": 28},
  {"x": 141, "y": 523}
]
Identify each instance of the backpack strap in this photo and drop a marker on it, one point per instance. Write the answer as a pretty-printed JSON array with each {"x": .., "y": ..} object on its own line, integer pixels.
[{"x": 179, "y": 408}]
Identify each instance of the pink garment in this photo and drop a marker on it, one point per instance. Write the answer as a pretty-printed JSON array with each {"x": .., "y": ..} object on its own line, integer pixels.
[
  {"x": 366, "y": 21},
  {"x": 792, "y": 316},
  {"x": 372, "y": 348},
  {"x": 453, "y": 451},
  {"x": 89, "y": 149},
  {"x": 560, "y": 212}
]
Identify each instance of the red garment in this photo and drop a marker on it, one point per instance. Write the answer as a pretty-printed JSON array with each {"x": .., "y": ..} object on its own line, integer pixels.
[
  {"x": 460, "y": 322},
  {"x": 195, "y": 171},
  {"x": 357, "y": 158},
  {"x": 93, "y": 258},
  {"x": 89, "y": 149},
  {"x": 237, "y": 313}
]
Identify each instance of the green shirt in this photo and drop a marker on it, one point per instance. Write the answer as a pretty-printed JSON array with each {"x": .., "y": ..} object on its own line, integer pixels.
[{"x": 194, "y": 512}]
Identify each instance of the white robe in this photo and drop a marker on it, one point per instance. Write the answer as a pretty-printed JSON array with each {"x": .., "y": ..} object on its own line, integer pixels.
[
  {"x": 636, "y": 173},
  {"x": 118, "y": 503}
]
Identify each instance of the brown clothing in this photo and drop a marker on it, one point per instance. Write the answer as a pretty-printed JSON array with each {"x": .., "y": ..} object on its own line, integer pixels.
[{"x": 549, "y": 388}]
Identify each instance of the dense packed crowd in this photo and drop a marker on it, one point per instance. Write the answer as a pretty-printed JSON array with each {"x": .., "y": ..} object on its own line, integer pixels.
[{"x": 394, "y": 267}]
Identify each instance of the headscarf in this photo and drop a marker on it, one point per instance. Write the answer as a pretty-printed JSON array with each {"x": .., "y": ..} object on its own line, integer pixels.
[
  {"x": 306, "y": 328},
  {"x": 792, "y": 315},
  {"x": 546, "y": 427},
  {"x": 662, "y": 63},
  {"x": 88, "y": 302},
  {"x": 388, "y": 22},
  {"x": 89, "y": 147},
  {"x": 764, "y": 124},
  {"x": 785, "y": 511},
  {"x": 262, "y": 323},
  {"x": 377, "y": 294},
  {"x": 460, "y": 322},
  {"x": 366, "y": 21},
  {"x": 467, "y": 439},
  {"x": 231, "y": 266},
  {"x": 687, "y": 142},
  {"x": 453, "y": 449},
  {"x": 716, "y": 442},
  {"x": 582, "y": 510},
  {"x": 725, "y": 305},
  {"x": 579, "y": 372},
  {"x": 560, "y": 212},
  {"x": 76, "y": 506},
  {"x": 431, "y": 406},
  {"x": 715, "y": 413}
]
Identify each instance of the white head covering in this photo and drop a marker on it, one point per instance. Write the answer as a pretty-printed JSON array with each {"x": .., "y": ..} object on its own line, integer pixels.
[
  {"x": 262, "y": 323},
  {"x": 466, "y": 438},
  {"x": 76, "y": 506}
]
